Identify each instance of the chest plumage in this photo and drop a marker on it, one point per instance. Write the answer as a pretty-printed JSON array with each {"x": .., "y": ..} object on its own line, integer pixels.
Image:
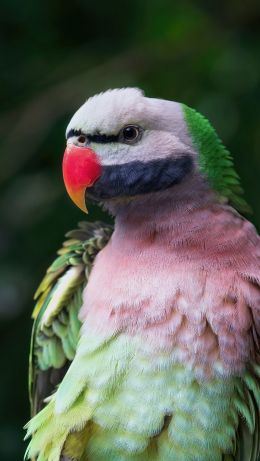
[{"x": 166, "y": 340}]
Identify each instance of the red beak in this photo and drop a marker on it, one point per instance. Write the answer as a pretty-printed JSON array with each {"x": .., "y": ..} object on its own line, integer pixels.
[{"x": 81, "y": 168}]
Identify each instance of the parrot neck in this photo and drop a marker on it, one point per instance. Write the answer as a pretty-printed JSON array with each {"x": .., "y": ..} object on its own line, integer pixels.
[{"x": 165, "y": 210}]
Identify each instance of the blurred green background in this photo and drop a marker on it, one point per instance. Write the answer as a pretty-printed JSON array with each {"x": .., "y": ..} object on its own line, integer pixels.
[{"x": 54, "y": 54}]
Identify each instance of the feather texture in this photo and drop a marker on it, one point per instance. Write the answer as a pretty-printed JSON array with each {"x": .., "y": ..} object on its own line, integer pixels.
[
  {"x": 171, "y": 372},
  {"x": 59, "y": 297}
]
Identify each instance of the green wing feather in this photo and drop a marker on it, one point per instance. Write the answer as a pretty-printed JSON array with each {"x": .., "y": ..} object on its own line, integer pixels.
[
  {"x": 247, "y": 404},
  {"x": 58, "y": 299}
]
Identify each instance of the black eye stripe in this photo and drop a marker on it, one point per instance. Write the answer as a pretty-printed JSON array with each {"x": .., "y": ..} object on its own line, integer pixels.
[
  {"x": 124, "y": 135},
  {"x": 102, "y": 138},
  {"x": 98, "y": 138}
]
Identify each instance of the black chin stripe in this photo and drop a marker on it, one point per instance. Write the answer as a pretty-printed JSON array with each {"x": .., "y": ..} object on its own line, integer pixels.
[{"x": 136, "y": 177}]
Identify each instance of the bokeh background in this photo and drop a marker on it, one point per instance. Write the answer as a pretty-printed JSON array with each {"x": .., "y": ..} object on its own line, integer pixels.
[{"x": 56, "y": 53}]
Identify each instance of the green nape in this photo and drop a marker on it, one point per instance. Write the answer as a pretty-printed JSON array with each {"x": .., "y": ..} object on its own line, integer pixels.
[{"x": 215, "y": 160}]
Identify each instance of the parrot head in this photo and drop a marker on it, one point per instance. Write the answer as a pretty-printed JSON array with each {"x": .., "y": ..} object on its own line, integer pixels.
[{"x": 122, "y": 145}]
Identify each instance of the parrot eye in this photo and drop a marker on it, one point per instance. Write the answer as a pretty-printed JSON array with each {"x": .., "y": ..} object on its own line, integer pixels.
[
  {"x": 82, "y": 139},
  {"x": 130, "y": 134}
]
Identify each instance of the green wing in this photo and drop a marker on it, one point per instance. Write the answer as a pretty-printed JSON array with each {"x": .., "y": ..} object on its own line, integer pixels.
[
  {"x": 247, "y": 406},
  {"x": 56, "y": 325}
]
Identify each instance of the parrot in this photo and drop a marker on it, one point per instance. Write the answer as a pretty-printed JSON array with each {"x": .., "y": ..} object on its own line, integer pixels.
[{"x": 146, "y": 333}]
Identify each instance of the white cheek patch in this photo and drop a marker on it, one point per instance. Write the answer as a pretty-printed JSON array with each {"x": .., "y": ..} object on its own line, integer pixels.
[
  {"x": 154, "y": 145},
  {"x": 112, "y": 153}
]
